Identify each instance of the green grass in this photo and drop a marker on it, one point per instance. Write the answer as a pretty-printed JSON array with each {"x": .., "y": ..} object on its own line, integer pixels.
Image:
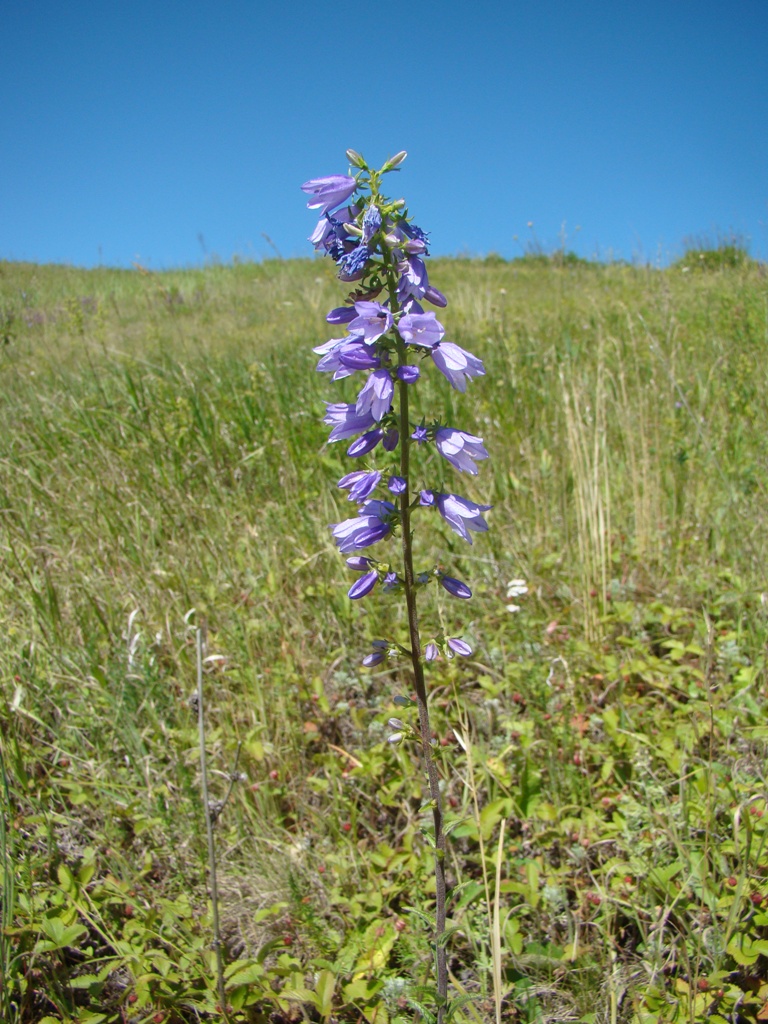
[{"x": 163, "y": 463}]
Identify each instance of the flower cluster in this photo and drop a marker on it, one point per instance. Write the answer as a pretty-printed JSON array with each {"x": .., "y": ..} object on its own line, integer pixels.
[{"x": 386, "y": 334}]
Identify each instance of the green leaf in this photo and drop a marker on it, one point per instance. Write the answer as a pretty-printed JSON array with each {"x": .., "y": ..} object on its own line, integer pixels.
[
  {"x": 85, "y": 981},
  {"x": 246, "y": 974}
]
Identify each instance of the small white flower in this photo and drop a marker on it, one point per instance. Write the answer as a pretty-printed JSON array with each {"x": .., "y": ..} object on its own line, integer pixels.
[{"x": 516, "y": 588}]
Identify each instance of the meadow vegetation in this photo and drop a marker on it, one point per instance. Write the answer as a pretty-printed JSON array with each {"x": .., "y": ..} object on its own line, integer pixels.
[{"x": 163, "y": 465}]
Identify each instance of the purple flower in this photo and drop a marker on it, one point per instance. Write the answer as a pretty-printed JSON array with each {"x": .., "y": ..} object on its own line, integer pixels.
[
  {"x": 377, "y": 655},
  {"x": 360, "y": 563},
  {"x": 341, "y": 315},
  {"x": 370, "y": 526},
  {"x": 376, "y": 396},
  {"x": 346, "y": 422},
  {"x": 410, "y": 374},
  {"x": 346, "y": 356},
  {"x": 356, "y": 355},
  {"x": 331, "y": 235},
  {"x": 352, "y": 264},
  {"x": 371, "y": 223},
  {"x": 456, "y": 365},
  {"x": 391, "y": 438},
  {"x": 459, "y": 647},
  {"x": 363, "y": 586},
  {"x": 461, "y": 515},
  {"x": 420, "y": 435},
  {"x": 427, "y": 498},
  {"x": 328, "y": 193},
  {"x": 391, "y": 582},
  {"x": 460, "y": 448},
  {"x": 328, "y": 346},
  {"x": 430, "y": 651},
  {"x": 361, "y": 484},
  {"x": 413, "y": 281},
  {"x": 416, "y": 235},
  {"x": 420, "y": 329},
  {"x": 365, "y": 444},
  {"x": 435, "y": 297},
  {"x": 455, "y": 587},
  {"x": 396, "y": 484},
  {"x": 372, "y": 320}
]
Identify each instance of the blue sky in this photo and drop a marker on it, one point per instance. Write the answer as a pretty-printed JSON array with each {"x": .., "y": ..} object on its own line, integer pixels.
[{"x": 171, "y": 133}]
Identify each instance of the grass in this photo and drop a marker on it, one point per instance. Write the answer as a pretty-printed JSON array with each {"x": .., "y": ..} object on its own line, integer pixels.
[{"x": 163, "y": 465}]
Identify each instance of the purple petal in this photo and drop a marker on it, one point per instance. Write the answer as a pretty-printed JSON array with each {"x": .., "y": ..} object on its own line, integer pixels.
[
  {"x": 410, "y": 374},
  {"x": 365, "y": 444},
  {"x": 329, "y": 192},
  {"x": 420, "y": 329},
  {"x": 359, "y": 563},
  {"x": 456, "y": 365},
  {"x": 374, "y": 658},
  {"x": 391, "y": 438},
  {"x": 364, "y": 585},
  {"x": 341, "y": 315},
  {"x": 455, "y": 587},
  {"x": 460, "y": 647}
]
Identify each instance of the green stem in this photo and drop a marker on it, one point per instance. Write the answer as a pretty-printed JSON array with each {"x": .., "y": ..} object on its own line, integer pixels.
[{"x": 420, "y": 687}]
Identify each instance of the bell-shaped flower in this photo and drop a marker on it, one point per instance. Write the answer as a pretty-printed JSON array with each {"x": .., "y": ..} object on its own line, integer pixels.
[
  {"x": 345, "y": 357},
  {"x": 330, "y": 233},
  {"x": 360, "y": 484},
  {"x": 460, "y": 514},
  {"x": 376, "y": 396},
  {"x": 456, "y": 365},
  {"x": 413, "y": 281},
  {"x": 346, "y": 421},
  {"x": 371, "y": 321},
  {"x": 460, "y": 448},
  {"x": 330, "y": 192},
  {"x": 420, "y": 329},
  {"x": 373, "y": 523}
]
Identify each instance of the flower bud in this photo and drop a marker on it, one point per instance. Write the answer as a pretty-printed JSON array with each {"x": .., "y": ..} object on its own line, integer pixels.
[
  {"x": 395, "y": 723},
  {"x": 395, "y": 737},
  {"x": 395, "y": 161},
  {"x": 356, "y": 160}
]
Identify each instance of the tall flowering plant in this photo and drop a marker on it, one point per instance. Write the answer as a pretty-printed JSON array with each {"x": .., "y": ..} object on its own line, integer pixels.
[{"x": 389, "y": 337}]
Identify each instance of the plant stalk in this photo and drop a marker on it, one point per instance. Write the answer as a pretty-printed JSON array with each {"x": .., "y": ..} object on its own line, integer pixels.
[
  {"x": 209, "y": 827},
  {"x": 420, "y": 687}
]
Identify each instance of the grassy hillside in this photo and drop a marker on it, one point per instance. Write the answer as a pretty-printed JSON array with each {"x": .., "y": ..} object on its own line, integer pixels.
[{"x": 163, "y": 464}]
